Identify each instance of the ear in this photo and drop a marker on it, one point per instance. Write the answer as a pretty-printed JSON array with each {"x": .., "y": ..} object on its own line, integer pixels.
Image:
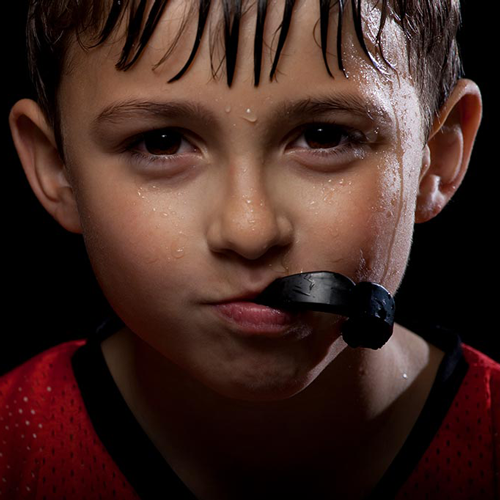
[
  {"x": 48, "y": 177},
  {"x": 448, "y": 150}
]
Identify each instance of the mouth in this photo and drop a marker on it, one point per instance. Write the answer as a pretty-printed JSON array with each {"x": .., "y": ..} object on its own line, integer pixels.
[
  {"x": 248, "y": 318},
  {"x": 369, "y": 307}
]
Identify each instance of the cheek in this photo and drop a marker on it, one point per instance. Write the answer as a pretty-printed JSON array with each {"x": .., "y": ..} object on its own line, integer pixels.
[
  {"x": 360, "y": 224},
  {"x": 139, "y": 242},
  {"x": 388, "y": 226},
  {"x": 387, "y": 229}
]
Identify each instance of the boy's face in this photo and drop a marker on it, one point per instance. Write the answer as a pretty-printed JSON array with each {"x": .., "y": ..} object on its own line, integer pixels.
[{"x": 218, "y": 206}]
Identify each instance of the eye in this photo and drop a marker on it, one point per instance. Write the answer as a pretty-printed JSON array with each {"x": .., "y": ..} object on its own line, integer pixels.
[
  {"x": 164, "y": 151},
  {"x": 328, "y": 145},
  {"x": 323, "y": 136},
  {"x": 164, "y": 142}
]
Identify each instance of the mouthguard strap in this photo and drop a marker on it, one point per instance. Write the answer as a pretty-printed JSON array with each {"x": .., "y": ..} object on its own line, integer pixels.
[{"x": 369, "y": 307}]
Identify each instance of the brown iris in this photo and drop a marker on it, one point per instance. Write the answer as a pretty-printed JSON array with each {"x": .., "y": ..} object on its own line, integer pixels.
[
  {"x": 163, "y": 142},
  {"x": 323, "y": 136}
]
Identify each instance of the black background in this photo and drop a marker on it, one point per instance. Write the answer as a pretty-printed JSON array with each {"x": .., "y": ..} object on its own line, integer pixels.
[{"x": 51, "y": 295}]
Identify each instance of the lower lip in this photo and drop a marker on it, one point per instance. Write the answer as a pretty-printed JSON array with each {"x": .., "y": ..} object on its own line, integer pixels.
[{"x": 255, "y": 319}]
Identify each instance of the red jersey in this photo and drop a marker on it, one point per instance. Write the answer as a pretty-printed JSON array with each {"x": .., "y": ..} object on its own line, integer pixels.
[{"x": 66, "y": 433}]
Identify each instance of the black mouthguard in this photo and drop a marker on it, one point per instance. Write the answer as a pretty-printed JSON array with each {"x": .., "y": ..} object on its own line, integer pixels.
[{"x": 369, "y": 307}]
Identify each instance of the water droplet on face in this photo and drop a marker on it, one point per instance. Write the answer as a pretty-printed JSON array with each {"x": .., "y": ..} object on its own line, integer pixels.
[
  {"x": 329, "y": 192},
  {"x": 372, "y": 135},
  {"x": 250, "y": 116},
  {"x": 178, "y": 253},
  {"x": 178, "y": 247}
]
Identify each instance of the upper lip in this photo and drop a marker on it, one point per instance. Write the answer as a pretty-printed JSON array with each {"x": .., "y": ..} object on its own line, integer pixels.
[
  {"x": 243, "y": 297},
  {"x": 247, "y": 295}
]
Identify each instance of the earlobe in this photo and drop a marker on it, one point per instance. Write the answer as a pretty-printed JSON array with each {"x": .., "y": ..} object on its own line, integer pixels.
[
  {"x": 36, "y": 146},
  {"x": 447, "y": 152}
]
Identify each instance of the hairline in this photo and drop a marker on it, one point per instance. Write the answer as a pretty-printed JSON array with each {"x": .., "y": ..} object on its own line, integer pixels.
[{"x": 74, "y": 39}]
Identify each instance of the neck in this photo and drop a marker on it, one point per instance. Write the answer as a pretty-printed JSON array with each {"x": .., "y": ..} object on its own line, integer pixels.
[{"x": 362, "y": 403}]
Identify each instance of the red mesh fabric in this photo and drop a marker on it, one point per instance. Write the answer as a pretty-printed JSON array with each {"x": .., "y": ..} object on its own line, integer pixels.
[
  {"x": 48, "y": 446},
  {"x": 463, "y": 461},
  {"x": 49, "y": 449}
]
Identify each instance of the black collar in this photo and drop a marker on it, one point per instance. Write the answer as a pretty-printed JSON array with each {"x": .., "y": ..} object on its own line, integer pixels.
[{"x": 151, "y": 476}]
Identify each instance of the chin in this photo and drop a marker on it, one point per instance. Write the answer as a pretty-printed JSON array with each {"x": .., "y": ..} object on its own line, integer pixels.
[
  {"x": 264, "y": 383},
  {"x": 267, "y": 370},
  {"x": 263, "y": 392}
]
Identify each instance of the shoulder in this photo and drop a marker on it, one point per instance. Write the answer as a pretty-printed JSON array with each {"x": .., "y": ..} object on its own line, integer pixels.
[
  {"x": 48, "y": 445},
  {"x": 477, "y": 359},
  {"x": 475, "y": 413},
  {"x": 469, "y": 436},
  {"x": 482, "y": 382},
  {"x": 463, "y": 458},
  {"x": 28, "y": 398},
  {"x": 40, "y": 367},
  {"x": 35, "y": 384}
]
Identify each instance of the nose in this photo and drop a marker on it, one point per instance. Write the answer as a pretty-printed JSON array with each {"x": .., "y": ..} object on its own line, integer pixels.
[{"x": 247, "y": 221}]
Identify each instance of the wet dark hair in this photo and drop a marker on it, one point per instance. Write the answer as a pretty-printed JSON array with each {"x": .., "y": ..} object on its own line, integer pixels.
[{"x": 430, "y": 28}]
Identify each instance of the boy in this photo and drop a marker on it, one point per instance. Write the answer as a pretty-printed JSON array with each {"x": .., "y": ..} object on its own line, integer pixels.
[{"x": 194, "y": 190}]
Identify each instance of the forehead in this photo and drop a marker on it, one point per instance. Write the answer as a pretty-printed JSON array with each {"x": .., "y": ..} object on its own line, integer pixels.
[
  {"x": 301, "y": 71},
  {"x": 233, "y": 24}
]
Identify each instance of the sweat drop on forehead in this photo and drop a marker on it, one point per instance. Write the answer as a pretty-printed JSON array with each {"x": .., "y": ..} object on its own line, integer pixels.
[{"x": 368, "y": 306}]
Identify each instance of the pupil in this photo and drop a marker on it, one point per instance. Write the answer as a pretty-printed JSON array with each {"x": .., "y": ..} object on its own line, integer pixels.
[
  {"x": 163, "y": 143},
  {"x": 323, "y": 137}
]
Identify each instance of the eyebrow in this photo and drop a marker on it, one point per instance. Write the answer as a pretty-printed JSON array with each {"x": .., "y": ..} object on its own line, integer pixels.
[
  {"x": 338, "y": 102},
  {"x": 289, "y": 110},
  {"x": 121, "y": 111}
]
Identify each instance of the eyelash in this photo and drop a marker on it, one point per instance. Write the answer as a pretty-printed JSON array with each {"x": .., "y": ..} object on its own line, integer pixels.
[
  {"x": 350, "y": 139},
  {"x": 138, "y": 156}
]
